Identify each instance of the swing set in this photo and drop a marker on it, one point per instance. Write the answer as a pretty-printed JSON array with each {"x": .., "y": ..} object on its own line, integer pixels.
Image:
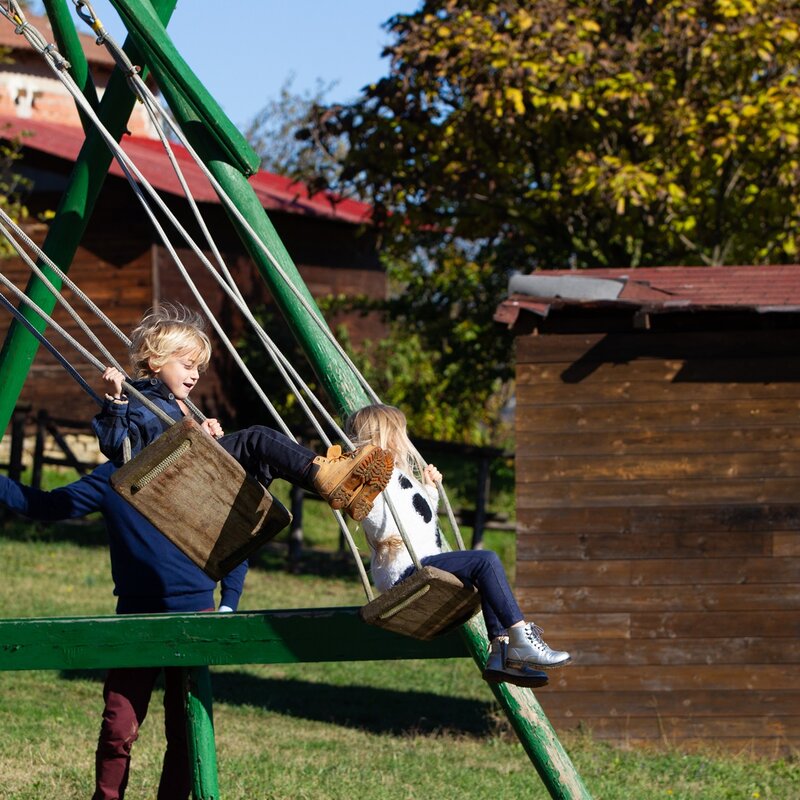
[{"x": 162, "y": 481}]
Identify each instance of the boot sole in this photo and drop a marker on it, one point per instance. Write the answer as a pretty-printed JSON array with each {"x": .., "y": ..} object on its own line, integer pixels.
[
  {"x": 527, "y": 682},
  {"x": 367, "y": 480},
  {"x": 521, "y": 664}
]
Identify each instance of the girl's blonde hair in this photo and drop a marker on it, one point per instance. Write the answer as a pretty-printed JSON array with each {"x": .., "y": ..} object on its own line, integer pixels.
[
  {"x": 385, "y": 426},
  {"x": 166, "y": 332}
]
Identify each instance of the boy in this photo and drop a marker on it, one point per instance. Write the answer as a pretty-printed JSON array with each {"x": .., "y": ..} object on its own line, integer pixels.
[
  {"x": 169, "y": 350},
  {"x": 150, "y": 575}
]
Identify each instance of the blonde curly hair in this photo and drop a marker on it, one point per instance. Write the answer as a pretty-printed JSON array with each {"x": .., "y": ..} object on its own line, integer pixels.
[{"x": 166, "y": 332}]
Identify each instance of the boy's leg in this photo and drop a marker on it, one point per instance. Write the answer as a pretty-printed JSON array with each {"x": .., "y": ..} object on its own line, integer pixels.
[
  {"x": 267, "y": 454},
  {"x": 176, "y": 777},
  {"x": 127, "y": 695},
  {"x": 349, "y": 481}
]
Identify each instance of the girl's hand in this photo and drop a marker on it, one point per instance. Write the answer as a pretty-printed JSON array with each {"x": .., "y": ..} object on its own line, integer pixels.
[
  {"x": 112, "y": 382},
  {"x": 431, "y": 474},
  {"x": 212, "y": 428}
]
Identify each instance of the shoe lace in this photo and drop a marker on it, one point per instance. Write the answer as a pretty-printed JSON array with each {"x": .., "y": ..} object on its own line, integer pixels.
[{"x": 534, "y": 634}]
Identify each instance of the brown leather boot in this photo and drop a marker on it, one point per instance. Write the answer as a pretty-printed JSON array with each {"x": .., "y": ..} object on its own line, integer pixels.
[{"x": 352, "y": 481}]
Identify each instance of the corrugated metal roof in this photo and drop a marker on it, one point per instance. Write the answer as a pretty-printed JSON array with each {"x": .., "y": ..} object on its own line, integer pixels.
[
  {"x": 774, "y": 288},
  {"x": 275, "y": 192}
]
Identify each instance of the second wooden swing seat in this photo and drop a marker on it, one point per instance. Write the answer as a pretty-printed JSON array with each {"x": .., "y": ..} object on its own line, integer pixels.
[
  {"x": 428, "y": 603},
  {"x": 200, "y": 498}
]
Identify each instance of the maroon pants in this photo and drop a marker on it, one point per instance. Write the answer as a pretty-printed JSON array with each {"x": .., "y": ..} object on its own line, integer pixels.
[{"x": 127, "y": 695}]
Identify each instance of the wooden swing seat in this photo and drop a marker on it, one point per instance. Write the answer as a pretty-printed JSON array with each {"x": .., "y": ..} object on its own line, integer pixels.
[
  {"x": 200, "y": 498},
  {"x": 426, "y": 604}
]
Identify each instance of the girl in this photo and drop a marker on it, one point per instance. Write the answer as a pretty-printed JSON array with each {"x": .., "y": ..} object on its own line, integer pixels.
[{"x": 517, "y": 650}]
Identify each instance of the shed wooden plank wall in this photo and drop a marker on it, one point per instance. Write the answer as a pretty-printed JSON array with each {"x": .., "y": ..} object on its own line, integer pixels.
[
  {"x": 658, "y": 505},
  {"x": 124, "y": 272},
  {"x": 116, "y": 274}
]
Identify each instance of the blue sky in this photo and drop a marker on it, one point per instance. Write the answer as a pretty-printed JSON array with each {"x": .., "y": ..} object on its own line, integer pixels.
[{"x": 244, "y": 50}]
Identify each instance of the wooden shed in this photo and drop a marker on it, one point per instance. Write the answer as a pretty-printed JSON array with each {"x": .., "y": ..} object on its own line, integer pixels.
[{"x": 658, "y": 499}]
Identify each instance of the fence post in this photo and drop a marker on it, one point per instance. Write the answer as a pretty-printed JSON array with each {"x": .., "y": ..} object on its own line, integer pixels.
[
  {"x": 38, "y": 450},
  {"x": 297, "y": 496},
  {"x": 200, "y": 734},
  {"x": 481, "y": 499},
  {"x": 17, "y": 445}
]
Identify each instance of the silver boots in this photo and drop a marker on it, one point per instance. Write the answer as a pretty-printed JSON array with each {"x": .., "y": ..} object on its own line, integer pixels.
[
  {"x": 526, "y": 648},
  {"x": 496, "y": 670}
]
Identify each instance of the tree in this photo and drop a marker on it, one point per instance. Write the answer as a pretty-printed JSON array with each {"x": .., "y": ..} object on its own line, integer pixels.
[
  {"x": 554, "y": 133},
  {"x": 585, "y": 133},
  {"x": 272, "y": 134}
]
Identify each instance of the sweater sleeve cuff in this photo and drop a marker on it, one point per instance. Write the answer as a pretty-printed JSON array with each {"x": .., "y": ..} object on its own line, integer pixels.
[{"x": 115, "y": 408}]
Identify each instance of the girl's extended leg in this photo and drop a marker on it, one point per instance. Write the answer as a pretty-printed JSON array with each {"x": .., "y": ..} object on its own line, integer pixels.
[{"x": 483, "y": 568}]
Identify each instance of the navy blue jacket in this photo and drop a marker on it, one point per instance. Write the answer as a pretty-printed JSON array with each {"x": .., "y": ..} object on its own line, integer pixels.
[
  {"x": 115, "y": 421},
  {"x": 150, "y": 573}
]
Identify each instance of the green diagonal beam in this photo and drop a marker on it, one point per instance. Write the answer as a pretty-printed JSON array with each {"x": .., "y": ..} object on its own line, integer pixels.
[
  {"x": 164, "y": 59},
  {"x": 175, "y": 79},
  {"x": 67, "y": 229}
]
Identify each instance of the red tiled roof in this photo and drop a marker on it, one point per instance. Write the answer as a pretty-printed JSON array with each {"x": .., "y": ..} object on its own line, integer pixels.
[
  {"x": 275, "y": 192},
  {"x": 95, "y": 54},
  {"x": 656, "y": 290}
]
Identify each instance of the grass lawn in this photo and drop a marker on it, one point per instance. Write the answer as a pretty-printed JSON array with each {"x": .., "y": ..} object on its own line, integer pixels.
[{"x": 408, "y": 729}]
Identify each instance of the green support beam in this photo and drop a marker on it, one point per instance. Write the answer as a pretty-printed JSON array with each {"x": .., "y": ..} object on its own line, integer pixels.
[
  {"x": 190, "y": 640},
  {"x": 202, "y": 746},
  {"x": 174, "y": 80},
  {"x": 67, "y": 228},
  {"x": 145, "y": 25}
]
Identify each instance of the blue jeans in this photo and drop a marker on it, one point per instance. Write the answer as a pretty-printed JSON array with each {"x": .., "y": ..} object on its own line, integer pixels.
[
  {"x": 267, "y": 454},
  {"x": 484, "y": 570}
]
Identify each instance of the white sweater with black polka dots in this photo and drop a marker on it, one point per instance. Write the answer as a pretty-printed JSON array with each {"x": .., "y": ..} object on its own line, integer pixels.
[{"x": 416, "y": 506}]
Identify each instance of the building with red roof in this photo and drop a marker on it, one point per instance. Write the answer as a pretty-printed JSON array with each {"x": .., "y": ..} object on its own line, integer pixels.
[{"x": 123, "y": 265}]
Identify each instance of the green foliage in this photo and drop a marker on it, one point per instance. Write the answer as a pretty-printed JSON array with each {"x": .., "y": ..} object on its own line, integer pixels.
[
  {"x": 512, "y": 136},
  {"x": 585, "y": 133},
  {"x": 443, "y": 360}
]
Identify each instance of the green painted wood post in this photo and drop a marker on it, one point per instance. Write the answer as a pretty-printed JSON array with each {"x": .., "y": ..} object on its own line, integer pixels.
[
  {"x": 531, "y": 725},
  {"x": 67, "y": 229},
  {"x": 200, "y": 725}
]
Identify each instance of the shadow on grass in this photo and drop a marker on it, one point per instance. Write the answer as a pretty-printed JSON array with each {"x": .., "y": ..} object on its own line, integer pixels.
[
  {"x": 317, "y": 562},
  {"x": 91, "y": 532},
  {"x": 387, "y": 711},
  {"x": 88, "y": 532}
]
